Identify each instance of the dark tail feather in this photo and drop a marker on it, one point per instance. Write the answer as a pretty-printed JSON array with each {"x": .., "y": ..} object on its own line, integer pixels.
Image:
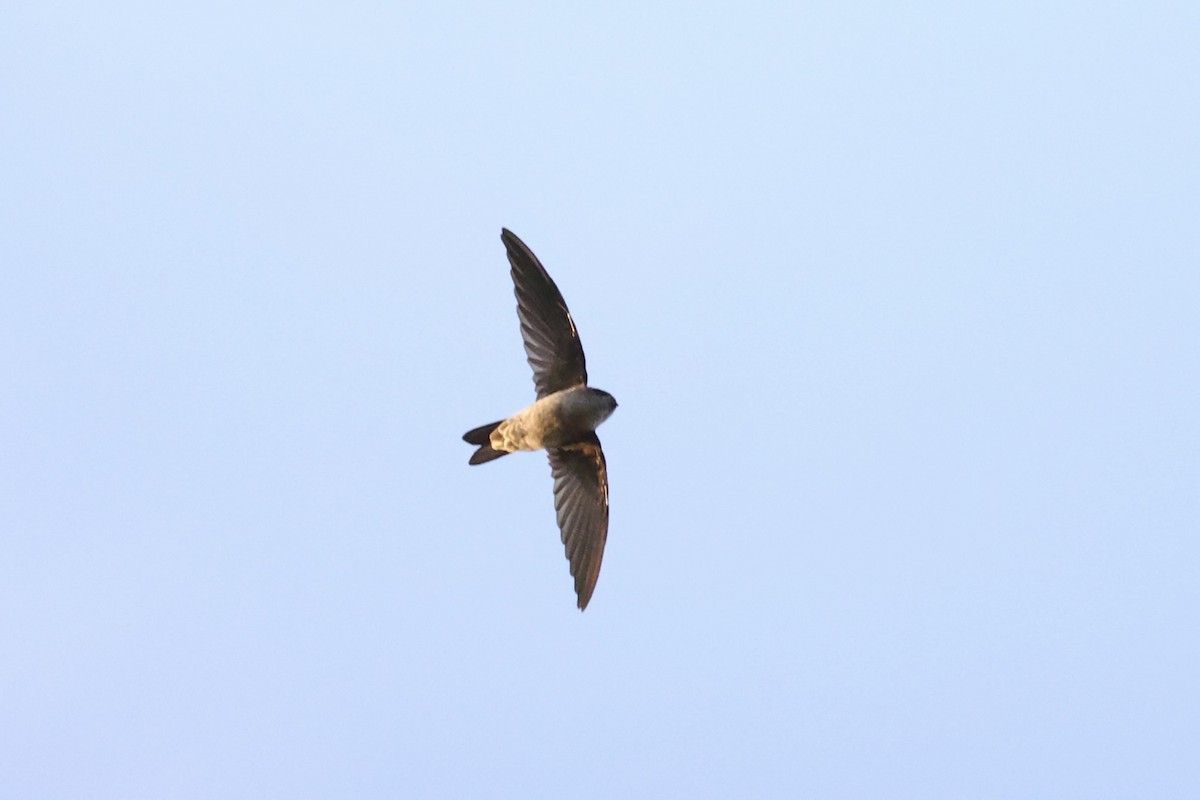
[
  {"x": 485, "y": 453},
  {"x": 481, "y": 434},
  {"x": 482, "y": 437}
]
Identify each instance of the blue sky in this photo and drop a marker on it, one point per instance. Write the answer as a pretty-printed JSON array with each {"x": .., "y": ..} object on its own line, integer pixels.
[{"x": 899, "y": 302}]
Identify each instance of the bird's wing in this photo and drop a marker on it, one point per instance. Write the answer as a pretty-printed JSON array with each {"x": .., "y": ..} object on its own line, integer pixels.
[
  {"x": 551, "y": 341},
  {"x": 581, "y": 500}
]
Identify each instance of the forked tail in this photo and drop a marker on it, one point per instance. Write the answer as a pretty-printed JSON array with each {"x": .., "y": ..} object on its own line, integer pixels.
[{"x": 482, "y": 436}]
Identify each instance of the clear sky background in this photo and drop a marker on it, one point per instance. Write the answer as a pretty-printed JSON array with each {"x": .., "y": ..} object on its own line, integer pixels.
[{"x": 900, "y": 302}]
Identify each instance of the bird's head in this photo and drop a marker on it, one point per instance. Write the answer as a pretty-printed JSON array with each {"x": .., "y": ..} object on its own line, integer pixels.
[{"x": 608, "y": 403}]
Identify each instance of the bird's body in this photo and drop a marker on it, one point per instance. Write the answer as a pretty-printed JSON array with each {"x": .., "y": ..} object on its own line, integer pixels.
[
  {"x": 562, "y": 420},
  {"x": 555, "y": 420}
]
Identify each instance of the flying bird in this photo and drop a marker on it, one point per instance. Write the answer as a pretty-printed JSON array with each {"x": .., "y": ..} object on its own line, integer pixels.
[{"x": 562, "y": 421}]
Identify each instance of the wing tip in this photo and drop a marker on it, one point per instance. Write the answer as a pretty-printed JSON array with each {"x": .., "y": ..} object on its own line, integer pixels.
[{"x": 583, "y": 598}]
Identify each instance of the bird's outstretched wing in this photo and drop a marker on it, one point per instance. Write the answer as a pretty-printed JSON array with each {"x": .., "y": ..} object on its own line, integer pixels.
[
  {"x": 581, "y": 500},
  {"x": 551, "y": 341}
]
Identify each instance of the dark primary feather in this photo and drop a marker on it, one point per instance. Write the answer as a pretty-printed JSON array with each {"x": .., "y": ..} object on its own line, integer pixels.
[
  {"x": 581, "y": 500},
  {"x": 551, "y": 342}
]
